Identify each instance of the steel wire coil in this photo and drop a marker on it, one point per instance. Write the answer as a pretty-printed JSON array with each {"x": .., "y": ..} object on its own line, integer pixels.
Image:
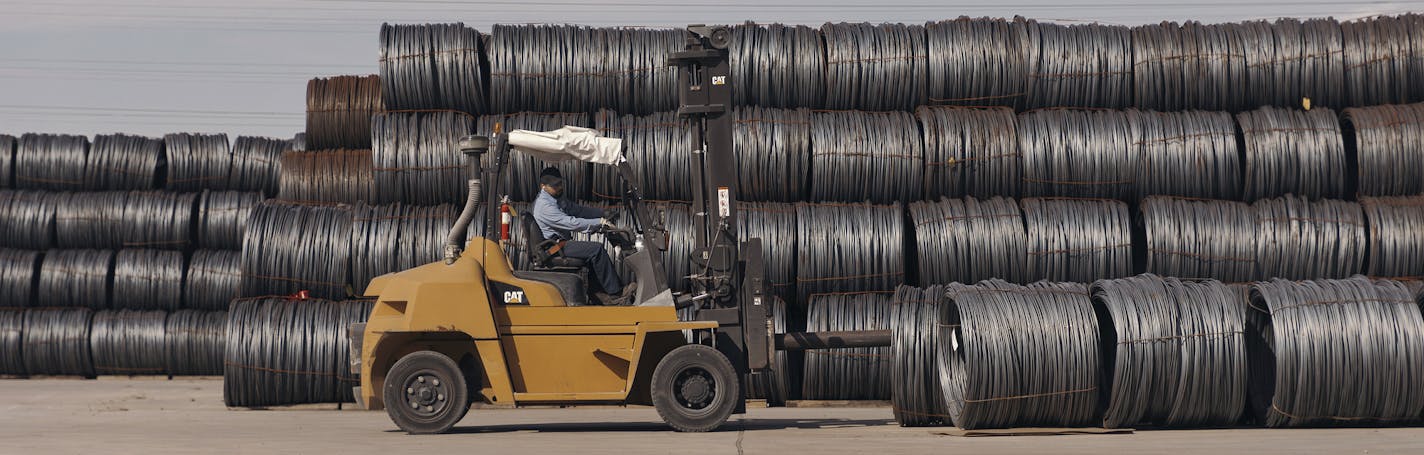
[
  {"x": 56, "y": 342},
  {"x": 1159, "y": 67},
  {"x": 1070, "y": 153},
  {"x": 197, "y": 162},
  {"x": 289, "y": 248},
  {"x": 1080, "y": 65},
  {"x": 213, "y": 280},
  {"x": 1177, "y": 350},
  {"x": 257, "y": 164},
  {"x": 222, "y": 218},
  {"x": 1191, "y": 238},
  {"x": 51, "y": 162},
  {"x": 90, "y": 220},
  {"x": 433, "y": 66},
  {"x": 417, "y": 157},
  {"x": 281, "y": 351},
  {"x": 125, "y": 162},
  {"x": 774, "y": 385},
  {"x": 1078, "y": 240},
  {"x": 1416, "y": 43},
  {"x": 1387, "y": 146},
  {"x": 1289, "y": 60},
  {"x": 1191, "y": 154},
  {"x": 915, "y": 387},
  {"x": 835, "y": 254},
  {"x": 125, "y": 342},
  {"x": 1214, "y": 67},
  {"x": 522, "y": 177},
  {"x": 1396, "y": 247},
  {"x": 993, "y": 332},
  {"x": 1293, "y": 152},
  {"x": 395, "y": 237},
  {"x": 326, "y": 176},
  {"x": 12, "y": 335},
  {"x": 339, "y": 111},
  {"x": 28, "y": 218},
  {"x": 978, "y": 61},
  {"x": 848, "y": 373},
  {"x": 1297, "y": 239},
  {"x": 970, "y": 152},
  {"x": 7, "y": 161},
  {"x": 194, "y": 341},
  {"x": 75, "y": 278},
  {"x": 866, "y": 156},
  {"x": 148, "y": 280},
  {"x": 19, "y": 274},
  {"x": 644, "y": 83},
  {"x": 1377, "y": 53},
  {"x": 970, "y": 240},
  {"x": 1334, "y": 353},
  {"x": 775, "y": 224},
  {"x": 875, "y": 67},
  {"x": 659, "y": 149},
  {"x": 159, "y": 220},
  {"x": 298, "y": 142},
  {"x": 773, "y": 148},
  {"x": 552, "y": 68},
  {"x": 777, "y": 66}
]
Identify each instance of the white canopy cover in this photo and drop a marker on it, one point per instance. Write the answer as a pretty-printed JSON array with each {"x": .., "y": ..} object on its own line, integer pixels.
[{"x": 568, "y": 143}]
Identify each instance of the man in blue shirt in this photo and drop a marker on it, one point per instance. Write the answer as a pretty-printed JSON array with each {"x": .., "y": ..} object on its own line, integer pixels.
[{"x": 559, "y": 218}]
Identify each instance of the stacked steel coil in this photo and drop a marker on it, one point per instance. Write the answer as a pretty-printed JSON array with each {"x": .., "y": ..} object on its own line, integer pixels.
[
  {"x": 193, "y": 342},
  {"x": 861, "y": 60},
  {"x": 417, "y": 157},
  {"x": 855, "y": 154},
  {"x": 433, "y": 66},
  {"x": 282, "y": 351},
  {"x": 7, "y": 161},
  {"x": 848, "y": 373},
  {"x": 19, "y": 271},
  {"x": 90, "y": 220},
  {"x": 848, "y": 248},
  {"x": 339, "y": 111},
  {"x": 775, "y": 224},
  {"x": 994, "y": 331},
  {"x": 638, "y": 72},
  {"x": 1081, "y": 65},
  {"x": 336, "y": 176},
  {"x": 915, "y": 383},
  {"x": 978, "y": 62},
  {"x": 1192, "y": 154},
  {"x": 1334, "y": 352},
  {"x": 1192, "y": 238},
  {"x": 288, "y": 249},
  {"x": 1388, "y": 147},
  {"x": 29, "y": 218},
  {"x": 395, "y": 237},
  {"x": 256, "y": 164},
  {"x": 970, "y": 240},
  {"x": 1288, "y": 61},
  {"x": 1214, "y": 65},
  {"x": 972, "y": 152},
  {"x": 75, "y": 278},
  {"x": 214, "y": 278},
  {"x": 127, "y": 342},
  {"x": 1293, "y": 152},
  {"x": 1159, "y": 66},
  {"x": 522, "y": 176},
  {"x": 777, "y": 66},
  {"x": 56, "y": 342},
  {"x": 1178, "y": 352},
  {"x": 773, "y": 149},
  {"x": 1077, "y": 239},
  {"x": 551, "y": 68},
  {"x": 12, "y": 336},
  {"x": 1299, "y": 240},
  {"x": 51, "y": 162},
  {"x": 1395, "y": 247},
  {"x": 197, "y": 161},
  {"x": 1377, "y": 57},
  {"x": 1072, "y": 153},
  {"x": 659, "y": 149},
  {"x": 222, "y": 218},
  {"x": 125, "y": 162},
  {"x": 148, "y": 280},
  {"x": 154, "y": 219}
]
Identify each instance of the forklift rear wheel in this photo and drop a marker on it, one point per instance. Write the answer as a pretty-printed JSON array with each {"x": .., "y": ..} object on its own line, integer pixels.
[
  {"x": 695, "y": 388},
  {"x": 425, "y": 393}
]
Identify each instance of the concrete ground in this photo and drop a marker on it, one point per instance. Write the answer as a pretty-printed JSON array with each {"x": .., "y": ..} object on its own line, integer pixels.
[{"x": 187, "y": 416}]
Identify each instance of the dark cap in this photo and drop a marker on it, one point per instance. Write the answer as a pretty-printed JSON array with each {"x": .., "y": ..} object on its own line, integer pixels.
[{"x": 551, "y": 176}]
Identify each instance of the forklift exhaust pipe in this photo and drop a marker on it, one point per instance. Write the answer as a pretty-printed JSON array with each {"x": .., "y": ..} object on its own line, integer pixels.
[{"x": 473, "y": 147}]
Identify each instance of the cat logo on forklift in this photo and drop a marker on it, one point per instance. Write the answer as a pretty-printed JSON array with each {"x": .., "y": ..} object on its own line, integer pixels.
[{"x": 514, "y": 297}]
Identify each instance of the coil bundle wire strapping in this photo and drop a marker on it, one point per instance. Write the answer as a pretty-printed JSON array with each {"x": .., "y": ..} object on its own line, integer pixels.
[
  {"x": 1293, "y": 152},
  {"x": 644, "y": 83},
  {"x": 1377, "y": 53},
  {"x": 256, "y": 164},
  {"x": 522, "y": 177},
  {"x": 326, "y": 176},
  {"x": 339, "y": 111},
  {"x": 1078, "y": 240},
  {"x": 128, "y": 342},
  {"x": 1387, "y": 143},
  {"x": 915, "y": 387},
  {"x": 1193, "y": 238},
  {"x": 75, "y": 278},
  {"x": 1191, "y": 154},
  {"x": 551, "y": 68},
  {"x": 1214, "y": 68},
  {"x": 12, "y": 332},
  {"x": 148, "y": 280},
  {"x": 395, "y": 237},
  {"x": 1396, "y": 247},
  {"x": 1071, "y": 153},
  {"x": 970, "y": 240},
  {"x": 417, "y": 157},
  {"x": 1081, "y": 65},
  {"x": 1299, "y": 240},
  {"x": 222, "y": 218},
  {"x": 848, "y": 373},
  {"x": 834, "y": 254},
  {"x": 7, "y": 161},
  {"x": 1178, "y": 351},
  {"x": 866, "y": 156},
  {"x": 777, "y": 66},
  {"x": 875, "y": 67},
  {"x": 773, "y": 149},
  {"x": 193, "y": 343},
  {"x": 51, "y": 162},
  {"x": 19, "y": 274},
  {"x": 658, "y": 147},
  {"x": 1160, "y": 58},
  {"x": 433, "y": 66},
  {"x": 197, "y": 161},
  {"x": 1334, "y": 352},
  {"x": 978, "y": 61},
  {"x": 993, "y": 332},
  {"x": 775, "y": 224},
  {"x": 124, "y": 162},
  {"x": 214, "y": 278},
  {"x": 970, "y": 151},
  {"x": 56, "y": 342},
  {"x": 29, "y": 218},
  {"x": 772, "y": 386},
  {"x": 281, "y": 351},
  {"x": 287, "y": 249}
]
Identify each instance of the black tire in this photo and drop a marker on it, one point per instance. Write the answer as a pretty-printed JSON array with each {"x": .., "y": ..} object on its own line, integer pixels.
[
  {"x": 425, "y": 393},
  {"x": 695, "y": 388}
]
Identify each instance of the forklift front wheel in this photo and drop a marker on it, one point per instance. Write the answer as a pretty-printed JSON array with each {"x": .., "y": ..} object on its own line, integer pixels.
[
  {"x": 695, "y": 388},
  {"x": 425, "y": 393}
]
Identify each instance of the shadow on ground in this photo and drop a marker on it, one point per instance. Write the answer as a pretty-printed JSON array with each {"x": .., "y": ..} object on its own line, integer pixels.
[{"x": 659, "y": 427}]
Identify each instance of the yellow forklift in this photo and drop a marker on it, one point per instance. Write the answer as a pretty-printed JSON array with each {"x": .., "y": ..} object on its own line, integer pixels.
[{"x": 470, "y": 328}]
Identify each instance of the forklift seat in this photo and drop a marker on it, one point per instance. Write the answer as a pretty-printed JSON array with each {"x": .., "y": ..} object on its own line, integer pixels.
[{"x": 545, "y": 254}]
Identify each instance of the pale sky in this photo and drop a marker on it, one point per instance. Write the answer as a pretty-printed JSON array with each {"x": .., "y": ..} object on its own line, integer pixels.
[{"x": 240, "y": 67}]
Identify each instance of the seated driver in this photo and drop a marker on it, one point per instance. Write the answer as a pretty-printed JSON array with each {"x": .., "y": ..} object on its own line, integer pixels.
[{"x": 558, "y": 218}]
